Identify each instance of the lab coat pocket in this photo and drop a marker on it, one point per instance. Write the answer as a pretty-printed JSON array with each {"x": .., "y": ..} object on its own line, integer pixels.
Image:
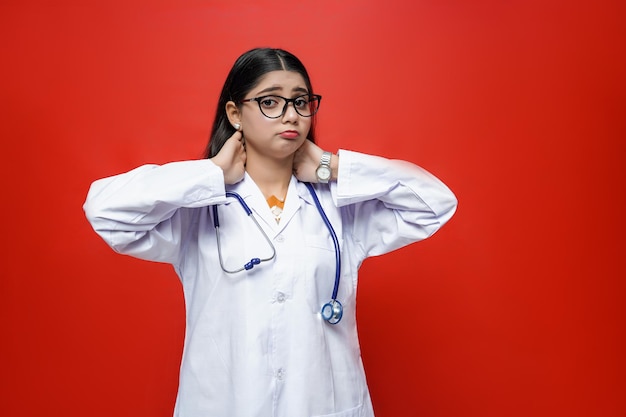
[
  {"x": 353, "y": 412},
  {"x": 318, "y": 265}
]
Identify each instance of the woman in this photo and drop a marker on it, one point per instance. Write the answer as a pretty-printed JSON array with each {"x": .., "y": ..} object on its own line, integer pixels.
[{"x": 257, "y": 340}]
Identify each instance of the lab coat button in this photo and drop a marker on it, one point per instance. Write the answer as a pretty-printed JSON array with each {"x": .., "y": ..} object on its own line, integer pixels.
[
  {"x": 280, "y": 297},
  {"x": 280, "y": 374},
  {"x": 280, "y": 238}
]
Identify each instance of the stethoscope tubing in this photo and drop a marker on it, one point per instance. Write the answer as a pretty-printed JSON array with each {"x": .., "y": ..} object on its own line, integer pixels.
[
  {"x": 333, "y": 236},
  {"x": 332, "y": 312},
  {"x": 216, "y": 224}
]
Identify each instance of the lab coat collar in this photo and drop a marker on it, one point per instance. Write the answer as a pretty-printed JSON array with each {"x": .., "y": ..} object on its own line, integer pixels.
[{"x": 297, "y": 194}]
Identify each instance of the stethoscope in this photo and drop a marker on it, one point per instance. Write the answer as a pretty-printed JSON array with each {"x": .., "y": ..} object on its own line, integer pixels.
[{"x": 332, "y": 311}]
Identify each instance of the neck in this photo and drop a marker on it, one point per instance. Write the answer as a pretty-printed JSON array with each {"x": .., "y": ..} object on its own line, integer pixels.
[{"x": 271, "y": 176}]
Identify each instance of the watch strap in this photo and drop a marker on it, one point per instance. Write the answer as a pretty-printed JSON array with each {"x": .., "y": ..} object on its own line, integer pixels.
[{"x": 325, "y": 159}]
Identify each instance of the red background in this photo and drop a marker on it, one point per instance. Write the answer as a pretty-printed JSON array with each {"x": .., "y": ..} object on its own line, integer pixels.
[{"x": 515, "y": 308}]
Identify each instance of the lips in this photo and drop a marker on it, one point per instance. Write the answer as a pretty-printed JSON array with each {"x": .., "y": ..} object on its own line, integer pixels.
[{"x": 289, "y": 134}]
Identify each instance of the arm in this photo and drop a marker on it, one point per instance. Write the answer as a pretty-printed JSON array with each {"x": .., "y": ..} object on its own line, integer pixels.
[
  {"x": 141, "y": 212},
  {"x": 146, "y": 212},
  {"x": 389, "y": 203}
]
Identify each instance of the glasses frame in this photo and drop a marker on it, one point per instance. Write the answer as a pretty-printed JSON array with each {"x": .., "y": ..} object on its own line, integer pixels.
[{"x": 317, "y": 98}]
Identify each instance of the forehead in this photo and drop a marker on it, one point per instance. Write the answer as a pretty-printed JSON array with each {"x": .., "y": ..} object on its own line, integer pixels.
[{"x": 281, "y": 81}]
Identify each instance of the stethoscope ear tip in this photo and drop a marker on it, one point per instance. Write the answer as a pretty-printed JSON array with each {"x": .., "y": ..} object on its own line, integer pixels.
[{"x": 250, "y": 265}]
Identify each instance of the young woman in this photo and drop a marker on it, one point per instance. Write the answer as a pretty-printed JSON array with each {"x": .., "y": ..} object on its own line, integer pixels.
[{"x": 269, "y": 277}]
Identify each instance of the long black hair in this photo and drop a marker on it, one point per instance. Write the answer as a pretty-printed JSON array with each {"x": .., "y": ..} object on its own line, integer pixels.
[{"x": 243, "y": 77}]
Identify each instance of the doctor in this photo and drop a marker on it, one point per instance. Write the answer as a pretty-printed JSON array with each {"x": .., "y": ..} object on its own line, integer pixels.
[{"x": 256, "y": 341}]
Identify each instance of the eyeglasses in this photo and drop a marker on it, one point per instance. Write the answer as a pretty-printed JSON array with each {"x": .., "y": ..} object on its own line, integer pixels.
[{"x": 274, "y": 107}]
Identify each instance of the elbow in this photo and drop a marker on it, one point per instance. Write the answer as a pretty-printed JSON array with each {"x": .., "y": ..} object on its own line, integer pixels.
[
  {"x": 91, "y": 208},
  {"x": 90, "y": 212},
  {"x": 94, "y": 216},
  {"x": 448, "y": 206},
  {"x": 99, "y": 218},
  {"x": 451, "y": 205}
]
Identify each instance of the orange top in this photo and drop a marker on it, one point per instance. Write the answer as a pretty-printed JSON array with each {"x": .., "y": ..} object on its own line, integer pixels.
[{"x": 276, "y": 207}]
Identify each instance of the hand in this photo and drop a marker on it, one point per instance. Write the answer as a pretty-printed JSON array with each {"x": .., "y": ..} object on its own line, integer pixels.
[
  {"x": 306, "y": 160},
  {"x": 232, "y": 159}
]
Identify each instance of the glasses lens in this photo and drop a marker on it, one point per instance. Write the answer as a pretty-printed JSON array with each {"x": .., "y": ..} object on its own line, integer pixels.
[
  {"x": 272, "y": 106},
  {"x": 307, "y": 105}
]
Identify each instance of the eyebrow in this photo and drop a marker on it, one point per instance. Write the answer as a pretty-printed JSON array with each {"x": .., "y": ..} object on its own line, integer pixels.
[{"x": 275, "y": 88}]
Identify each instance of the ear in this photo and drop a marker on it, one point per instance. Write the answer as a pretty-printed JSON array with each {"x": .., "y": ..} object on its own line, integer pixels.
[{"x": 233, "y": 114}]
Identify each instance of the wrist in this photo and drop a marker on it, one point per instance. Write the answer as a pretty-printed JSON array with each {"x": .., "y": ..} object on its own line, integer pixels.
[
  {"x": 328, "y": 167},
  {"x": 334, "y": 167}
]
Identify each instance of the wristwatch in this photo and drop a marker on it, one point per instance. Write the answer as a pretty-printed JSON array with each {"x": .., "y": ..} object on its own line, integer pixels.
[{"x": 323, "y": 171}]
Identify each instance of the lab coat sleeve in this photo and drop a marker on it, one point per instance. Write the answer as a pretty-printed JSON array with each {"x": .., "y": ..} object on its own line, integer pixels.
[
  {"x": 145, "y": 212},
  {"x": 387, "y": 203}
]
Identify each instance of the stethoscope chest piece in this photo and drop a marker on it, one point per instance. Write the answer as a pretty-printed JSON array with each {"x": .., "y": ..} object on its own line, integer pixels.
[{"x": 332, "y": 311}]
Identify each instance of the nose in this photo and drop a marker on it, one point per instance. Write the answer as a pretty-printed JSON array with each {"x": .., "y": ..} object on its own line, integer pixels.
[{"x": 290, "y": 114}]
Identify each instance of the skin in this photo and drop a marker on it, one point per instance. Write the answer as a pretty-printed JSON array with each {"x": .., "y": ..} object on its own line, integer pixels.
[{"x": 269, "y": 158}]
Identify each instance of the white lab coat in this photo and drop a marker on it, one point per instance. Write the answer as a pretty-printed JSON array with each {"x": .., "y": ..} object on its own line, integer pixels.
[{"x": 255, "y": 342}]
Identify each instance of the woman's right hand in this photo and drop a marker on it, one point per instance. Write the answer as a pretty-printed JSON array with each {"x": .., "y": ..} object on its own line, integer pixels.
[{"x": 232, "y": 159}]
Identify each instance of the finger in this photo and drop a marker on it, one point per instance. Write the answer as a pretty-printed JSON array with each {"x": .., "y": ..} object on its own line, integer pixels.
[{"x": 236, "y": 136}]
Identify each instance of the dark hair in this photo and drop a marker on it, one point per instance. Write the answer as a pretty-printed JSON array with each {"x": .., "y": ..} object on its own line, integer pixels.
[{"x": 243, "y": 77}]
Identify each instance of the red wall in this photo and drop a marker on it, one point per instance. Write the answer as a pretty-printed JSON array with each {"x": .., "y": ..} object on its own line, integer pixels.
[{"x": 514, "y": 309}]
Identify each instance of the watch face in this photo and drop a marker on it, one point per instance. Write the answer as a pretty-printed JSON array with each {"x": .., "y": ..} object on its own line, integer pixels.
[{"x": 323, "y": 173}]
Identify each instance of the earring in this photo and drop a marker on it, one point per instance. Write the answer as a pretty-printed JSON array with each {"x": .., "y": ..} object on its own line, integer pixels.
[{"x": 237, "y": 126}]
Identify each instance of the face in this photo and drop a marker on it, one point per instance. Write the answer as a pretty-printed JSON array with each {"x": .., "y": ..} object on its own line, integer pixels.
[{"x": 279, "y": 137}]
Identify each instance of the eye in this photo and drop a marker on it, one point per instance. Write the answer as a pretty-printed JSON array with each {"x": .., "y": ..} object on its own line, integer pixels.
[
  {"x": 268, "y": 102},
  {"x": 301, "y": 102}
]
